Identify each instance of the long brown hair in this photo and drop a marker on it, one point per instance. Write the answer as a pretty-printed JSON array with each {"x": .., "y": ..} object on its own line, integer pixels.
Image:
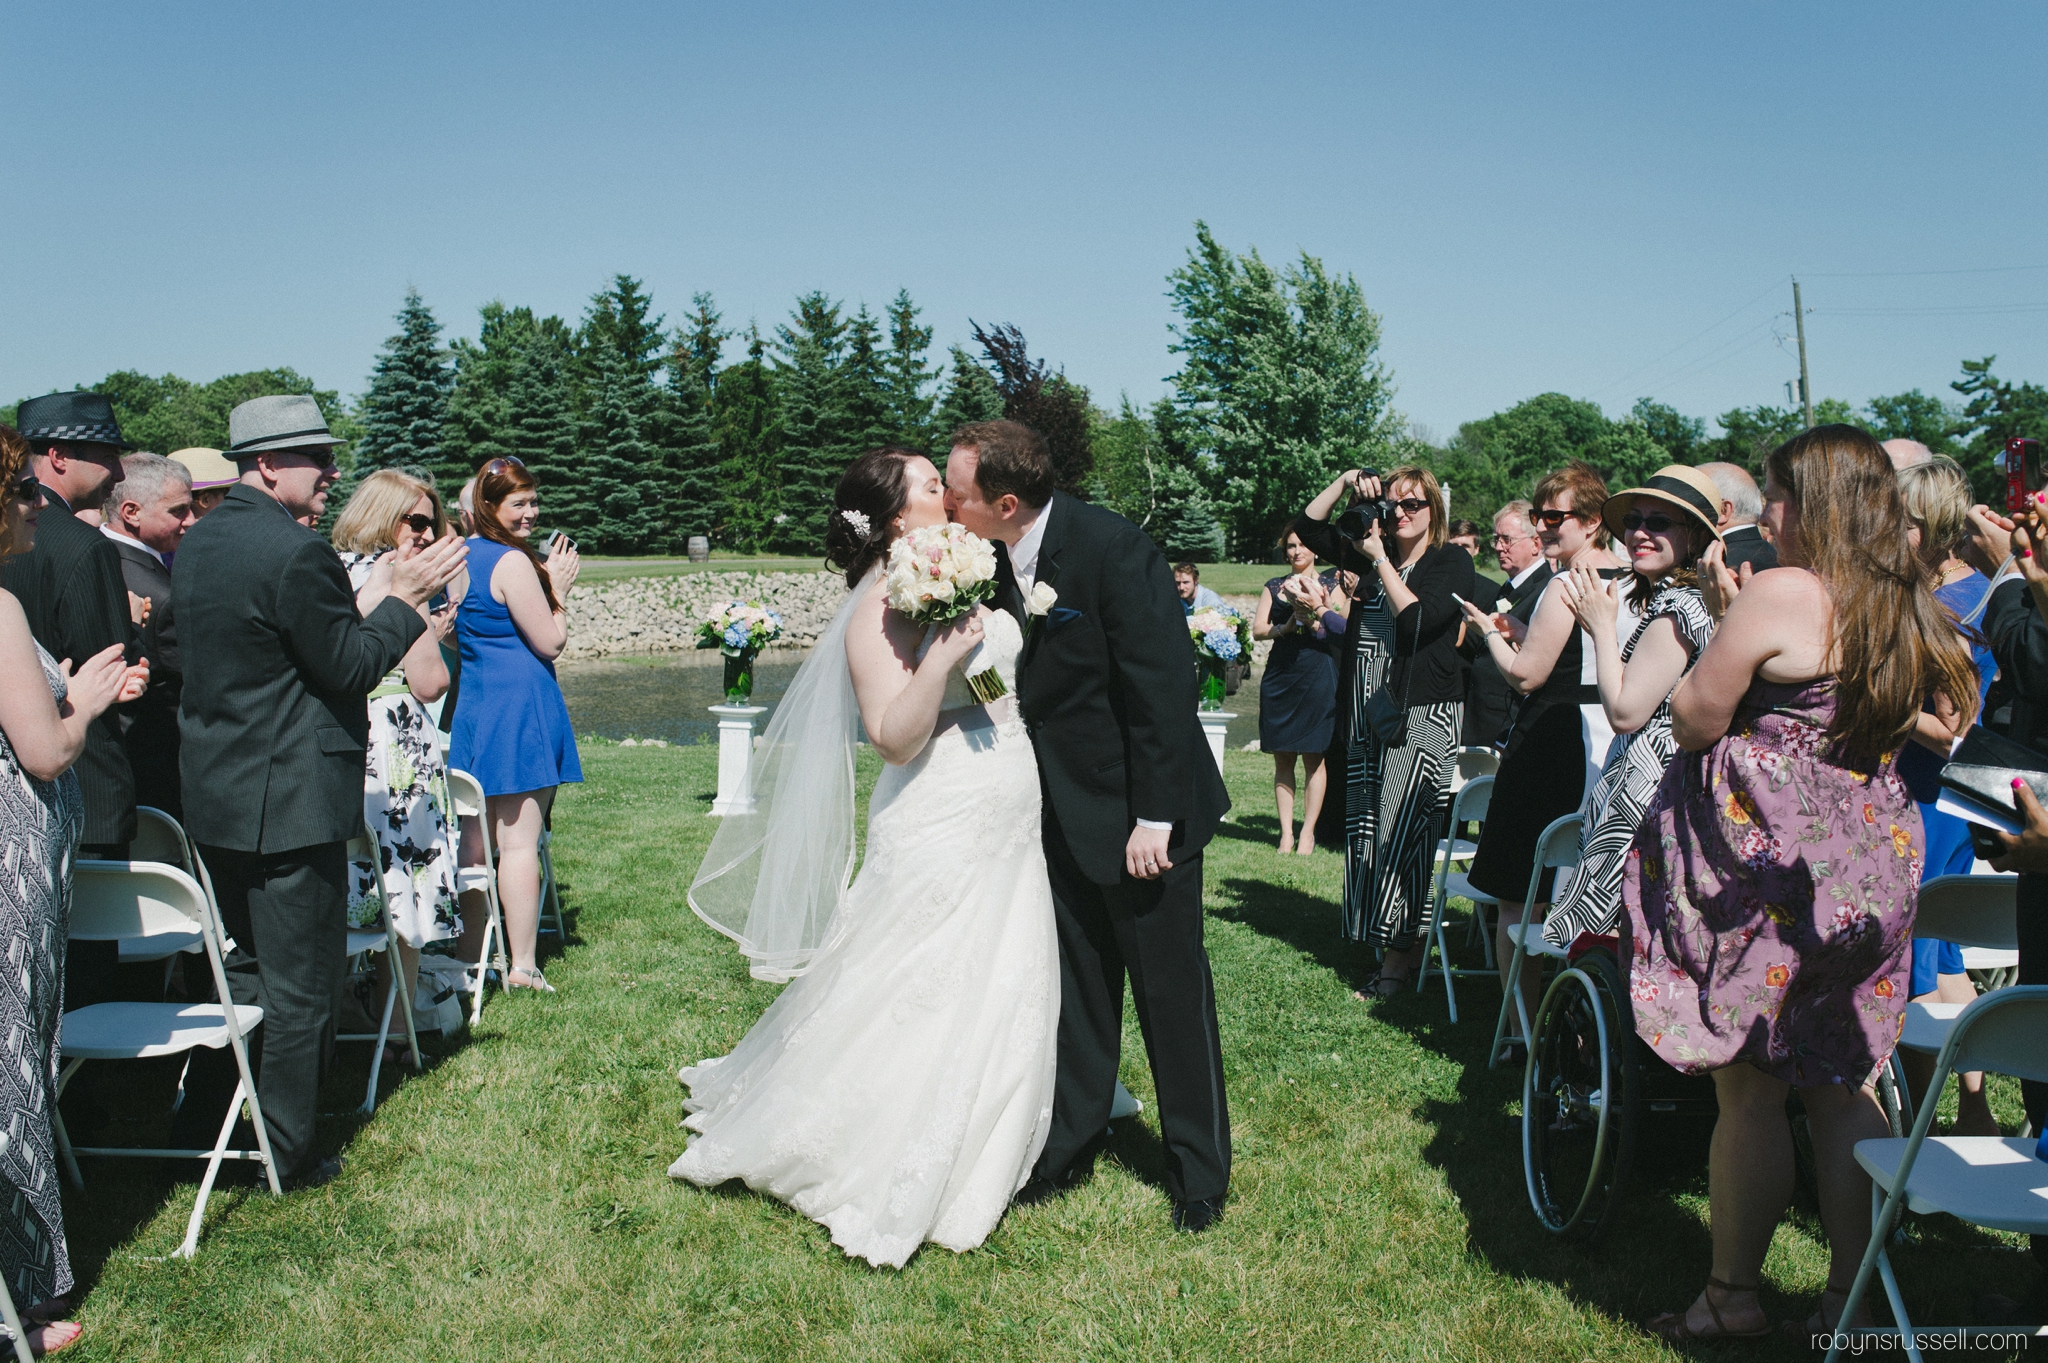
[
  {"x": 14, "y": 457},
  {"x": 496, "y": 481},
  {"x": 1893, "y": 643}
]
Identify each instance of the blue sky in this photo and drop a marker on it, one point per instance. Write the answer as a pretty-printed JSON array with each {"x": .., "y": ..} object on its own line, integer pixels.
[{"x": 1606, "y": 200}]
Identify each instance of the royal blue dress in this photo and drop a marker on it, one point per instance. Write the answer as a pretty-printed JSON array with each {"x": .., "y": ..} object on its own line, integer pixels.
[{"x": 511, "y": 727}]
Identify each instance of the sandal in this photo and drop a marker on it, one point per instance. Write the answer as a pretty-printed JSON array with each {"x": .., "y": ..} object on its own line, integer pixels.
[
  {"x": 1816, "y": 1325},
  {"x": 533, "y": 980},
  {"x": 1672, "y": 1328},
  {"x": 1380, "y": 988},
  {"x": 397, "y": 1053}
]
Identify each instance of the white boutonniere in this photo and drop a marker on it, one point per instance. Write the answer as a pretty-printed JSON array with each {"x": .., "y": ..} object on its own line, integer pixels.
[
  {"x": 1503, "y": 605},
  {"x": 1039, "y": 602}
]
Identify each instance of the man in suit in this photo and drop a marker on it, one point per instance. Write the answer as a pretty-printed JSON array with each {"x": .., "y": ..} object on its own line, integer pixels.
[
  {"x": 70, "y": 588},
  {"x": 279, "y": 662},
  {"x": 1107, "y": 690},
  {"x": 1490, "y": 699},
  {"x": 147, "y": 515},
  {"x": 1741, "y": 540}
]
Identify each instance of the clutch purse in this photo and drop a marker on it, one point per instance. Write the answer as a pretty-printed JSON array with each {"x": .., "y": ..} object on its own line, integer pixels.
[{"x": 1981, "y": 770}]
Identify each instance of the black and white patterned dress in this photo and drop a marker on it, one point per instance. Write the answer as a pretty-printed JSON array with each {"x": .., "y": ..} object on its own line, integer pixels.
[
  {"x": 40, "y": 824},
  {"x": 1591, "y": 900},
  {"x": 1394, "y": 798}
]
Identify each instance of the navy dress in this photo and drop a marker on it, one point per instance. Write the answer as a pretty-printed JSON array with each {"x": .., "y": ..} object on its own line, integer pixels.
[
  {"x": 511, "y": 729},
  {"x": 1298, "y": 693}
]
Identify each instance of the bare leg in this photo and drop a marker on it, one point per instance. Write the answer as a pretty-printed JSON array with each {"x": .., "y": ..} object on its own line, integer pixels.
[
  {"x": 1840, "y": 1115},
  {"x": 516, "y": 824},
  {"x": 476, "y": 906},
  {"x": 1283, "y": 796},
  {"x": 1318, "y": 774},
  {"x": 1396, "y": 965},
  {"x": 1749, "y": 1185},
  {"x": 409, "y": 966},
  {"x": 1973, "y": 1109},
  {"x": 1504, "y": 956}
]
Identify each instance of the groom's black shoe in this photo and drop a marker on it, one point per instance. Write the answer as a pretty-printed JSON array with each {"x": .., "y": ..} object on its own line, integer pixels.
[
  {"x": 1197, "y": 1214},
  {"x": 1045, "y": 1187}
]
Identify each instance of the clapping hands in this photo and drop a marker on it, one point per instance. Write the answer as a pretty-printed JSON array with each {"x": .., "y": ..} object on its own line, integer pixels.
[
  {"x": 417, "y": 574},
  {"x": 103, "y": 681},
  {"x": 1718, "y": 584},
  {"x": 1592, "y": 599}
]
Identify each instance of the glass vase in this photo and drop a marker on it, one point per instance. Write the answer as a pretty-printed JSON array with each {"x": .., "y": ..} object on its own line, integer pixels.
[
  {"x": 1213, "y": 689},
  {"x": 739, "y": 677}
]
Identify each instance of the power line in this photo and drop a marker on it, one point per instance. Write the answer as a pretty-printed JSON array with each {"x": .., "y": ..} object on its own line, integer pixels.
[
  {"x": 1921, "y": 274},
  {"x": 1983, "y": 310},
  {"x": 1626, "y": 378}
]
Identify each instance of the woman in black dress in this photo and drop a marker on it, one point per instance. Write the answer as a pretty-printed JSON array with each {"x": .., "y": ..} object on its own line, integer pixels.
[{"x": 1298, "y": 690}]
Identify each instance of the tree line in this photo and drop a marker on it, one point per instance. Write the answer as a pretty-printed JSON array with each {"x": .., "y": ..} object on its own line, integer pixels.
[{"x": 643, "y": 435}]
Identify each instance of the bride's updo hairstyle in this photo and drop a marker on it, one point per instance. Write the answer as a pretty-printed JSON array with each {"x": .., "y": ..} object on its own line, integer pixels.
[{"x": 870, "y": 496}]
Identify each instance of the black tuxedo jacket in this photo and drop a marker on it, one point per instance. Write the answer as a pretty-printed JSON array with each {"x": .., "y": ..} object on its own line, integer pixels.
[
  {"x": 70, "y": 589},
  {"x": 152, "y": 724},
  {"x": 1746, "y": 544},
  {"x": 1107, "y": 683},
  {"x": 1491, "y": 701},
  {"x": 274, "y": 722}
]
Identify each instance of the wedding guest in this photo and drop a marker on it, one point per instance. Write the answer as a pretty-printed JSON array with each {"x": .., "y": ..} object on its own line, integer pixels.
[
  {"x": 1747, "y": 960},
  {"x": 1187, "y": 580},
  {"x": 1663, "y": 526},
  {"x": 1905, "y": 454},
  {"x": 1489, "y": 699},
  {"x": 1559, "y": 741},
  {"x": 47, "y": 708},
  {"x": 70, "y": 587},
  {"x": 464, "y": 503},
  {"x": 512, "y": 731},
  {"x": 1741, "y": 539},
  {"x": 1465, "y": 534},
  {"x": 1397, "y": 784},
  {"x": 280, "y": 655},
  {"x": 151, "y": 510},
  {"x": 405, "y": 783},
  {"x": 213, "y": 473},
  {"x": 1305, "y": 617},
  {"x": 1936, "y": 494}
]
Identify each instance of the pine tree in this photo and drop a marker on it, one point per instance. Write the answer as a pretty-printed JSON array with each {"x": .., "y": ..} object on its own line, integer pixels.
[
  {"x": 403, "y": 413},
  {"x": 744, "y": 418},
  {"x": 540, "y": 431},
  {"x": 864, "y": 386},
  {"x": 906, "y": 377},
  {"x": 815, "y": 422},
  {"x": 479, "y": 424},
  {"x": 1184, "y": 524},
  {"x": 694, "y": 504},
  {"x": 618, "y": 321},
  {"x": 619, "y": 462},
  {"x": 971, "y": 395}
]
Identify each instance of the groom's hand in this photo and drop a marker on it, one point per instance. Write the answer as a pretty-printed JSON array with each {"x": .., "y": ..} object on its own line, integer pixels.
[{"x": 1145, "y": 854}]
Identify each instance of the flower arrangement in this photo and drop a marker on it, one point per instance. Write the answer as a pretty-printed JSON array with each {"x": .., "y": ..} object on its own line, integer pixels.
[
  {"x": 739, "y": 630},
  {"x": 1221, "y": 636},
  {"x": 939, "y": 573}
]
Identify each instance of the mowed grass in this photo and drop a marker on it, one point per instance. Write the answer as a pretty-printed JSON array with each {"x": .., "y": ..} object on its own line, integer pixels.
[{"x": 512, "y": 1202}]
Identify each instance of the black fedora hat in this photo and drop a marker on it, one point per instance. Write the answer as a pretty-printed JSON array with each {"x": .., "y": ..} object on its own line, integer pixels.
[{"x": 87, "y": 418}]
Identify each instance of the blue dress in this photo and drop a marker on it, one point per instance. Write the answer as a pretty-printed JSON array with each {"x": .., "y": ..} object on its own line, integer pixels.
[{"x": 511, "y": 727}]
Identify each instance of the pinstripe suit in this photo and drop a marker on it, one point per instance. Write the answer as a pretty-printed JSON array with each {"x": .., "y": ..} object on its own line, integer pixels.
[{"x": 71, "y": 590}]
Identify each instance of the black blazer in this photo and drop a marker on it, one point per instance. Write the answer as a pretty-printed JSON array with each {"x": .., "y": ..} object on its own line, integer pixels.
[
  {"x": 1107, "y": 685},
  {"x": 1746, "y": 544},
  {"x": 274, "y": 721},
  {"x": 151, "y": 731},
  {"x": 1491, "y": 700},
  {"x": 1427, "y": 669},
  {"x": 2018, "y": 704},
  {"x": 70, "y": 589}
]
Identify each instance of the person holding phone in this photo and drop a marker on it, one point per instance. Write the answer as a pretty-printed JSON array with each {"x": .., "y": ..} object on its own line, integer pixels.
[{"x": 512, "y": 730}]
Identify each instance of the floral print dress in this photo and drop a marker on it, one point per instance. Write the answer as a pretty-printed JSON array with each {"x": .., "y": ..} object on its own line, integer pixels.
[
  {"x": 405, "y": 799},
  {"x": 1769, "y": 897}
]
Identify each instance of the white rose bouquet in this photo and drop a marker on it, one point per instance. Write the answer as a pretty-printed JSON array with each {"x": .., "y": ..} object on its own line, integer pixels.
[{"x": 938, "y": 574}]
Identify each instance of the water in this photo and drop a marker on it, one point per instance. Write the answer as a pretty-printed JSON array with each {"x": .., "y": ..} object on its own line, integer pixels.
[{"x": 665, "y": 695}]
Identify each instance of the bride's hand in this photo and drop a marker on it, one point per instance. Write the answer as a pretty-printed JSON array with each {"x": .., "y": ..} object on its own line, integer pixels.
[{"x": 958, "y": 639}]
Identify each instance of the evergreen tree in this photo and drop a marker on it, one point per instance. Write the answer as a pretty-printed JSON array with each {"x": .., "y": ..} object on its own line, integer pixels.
[
  {"x": 403, "y": 413},
  {"x": 971, "y": 395},
  {"x": 618, "y": 321},
  {"x": 540, "y": 431},
  {"x": 1185, "y": 526},
  {"x": 1048, "y": 403},
  {"x": 906, "y": 376},
  {"x": 1997, "y": 410},
  {"x": 743, "y": 417},
  {"x": 864, "y": 386},
  {"x": 694, "y": 504},
  {"x": 620, "y": 466},
  {"x": 1137, "y": 476},
  {"x": 479, "y": 422},
  {"x": 811, "y": 393}
]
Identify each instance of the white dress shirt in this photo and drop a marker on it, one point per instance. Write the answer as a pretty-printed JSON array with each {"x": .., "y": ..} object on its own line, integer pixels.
[{"x": 1024, "y": 553}]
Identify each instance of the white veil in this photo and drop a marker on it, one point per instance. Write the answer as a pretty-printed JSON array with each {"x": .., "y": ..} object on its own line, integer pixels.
[{"x": 773, "y": 878}]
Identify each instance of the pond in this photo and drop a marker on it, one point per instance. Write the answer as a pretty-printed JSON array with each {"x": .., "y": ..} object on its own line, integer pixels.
[{"x": 665, "y": 695}]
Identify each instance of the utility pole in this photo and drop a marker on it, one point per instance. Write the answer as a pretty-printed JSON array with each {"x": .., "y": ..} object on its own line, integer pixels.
[{"x": 1805, "y": 388}]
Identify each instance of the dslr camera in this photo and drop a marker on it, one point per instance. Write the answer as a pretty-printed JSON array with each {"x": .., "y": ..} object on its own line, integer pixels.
[{"x": 1357, "y": 520}]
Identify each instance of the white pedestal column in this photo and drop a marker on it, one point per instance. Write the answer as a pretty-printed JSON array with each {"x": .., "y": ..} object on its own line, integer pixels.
[
  {"x": 1215, "y": 728},
  {"x": 735, "y": 755}
]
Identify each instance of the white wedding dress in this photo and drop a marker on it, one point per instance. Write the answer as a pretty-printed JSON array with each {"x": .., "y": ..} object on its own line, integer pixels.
[{"x": 900, "y": 1089}]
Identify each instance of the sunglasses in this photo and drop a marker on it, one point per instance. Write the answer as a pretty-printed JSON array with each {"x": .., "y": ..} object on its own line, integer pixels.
[
  {"x": 505, "y": 465},
  {"x": 1550, "y": 518},
  {"x": 25, "y": 489},
  {"x": 420, "y": 524},
  {"x": 1411, "y": 505},
  {"x": 1656, "y": 524}
]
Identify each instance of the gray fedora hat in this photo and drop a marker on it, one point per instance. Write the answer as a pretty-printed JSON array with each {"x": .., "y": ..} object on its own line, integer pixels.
[{"x": 289, "y": 421}]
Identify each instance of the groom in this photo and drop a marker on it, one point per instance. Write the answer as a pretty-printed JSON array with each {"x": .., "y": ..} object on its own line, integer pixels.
[{"x": 1107, "y": 687}]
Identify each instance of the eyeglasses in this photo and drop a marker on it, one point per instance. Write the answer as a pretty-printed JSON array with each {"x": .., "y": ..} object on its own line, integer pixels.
[
  {"x": 1499, "y": 538},
  {"x": 1656, "y": 524},
  {"x": 25, "y": 490},
  {"x": 1550, "y": 518},
  {"x": 420, "y": 524},
  {"x": 1411, "y": 505},
  {"x": 505, "y": 465}
]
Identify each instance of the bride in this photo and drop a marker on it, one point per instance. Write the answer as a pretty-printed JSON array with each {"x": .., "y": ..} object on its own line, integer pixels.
[{"x": 900, "y": 1089}]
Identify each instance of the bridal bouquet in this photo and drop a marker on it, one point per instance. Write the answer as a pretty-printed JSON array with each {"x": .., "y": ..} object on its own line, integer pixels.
[
  {"x": 739, "y": 628},
  {"x": 1221, "y": 633},
  {"x": 939, "y": 573}
]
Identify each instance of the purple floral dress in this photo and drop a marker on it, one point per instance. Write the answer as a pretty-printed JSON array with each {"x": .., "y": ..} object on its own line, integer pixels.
[{"x": 1769, "y": 898}]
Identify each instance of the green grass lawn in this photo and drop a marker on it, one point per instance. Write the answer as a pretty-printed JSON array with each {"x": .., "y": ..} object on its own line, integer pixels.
[
  {"x": 1230, "y": 579},
  {"x": 512, "y": 1202}
]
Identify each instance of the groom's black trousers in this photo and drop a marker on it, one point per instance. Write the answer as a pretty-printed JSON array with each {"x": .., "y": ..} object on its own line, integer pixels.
[{"x": 1151, "y": 930}]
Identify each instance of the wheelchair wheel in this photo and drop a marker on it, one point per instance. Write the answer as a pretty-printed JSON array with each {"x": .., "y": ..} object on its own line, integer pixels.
[{"x": 1580, "y": 1099}]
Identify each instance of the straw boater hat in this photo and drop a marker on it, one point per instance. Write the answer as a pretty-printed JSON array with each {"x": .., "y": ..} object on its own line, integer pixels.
[
  {"x": 288, "y": 421},
  {"x": 1684, "y": 489},
  {"x": 209, "y": 468}
]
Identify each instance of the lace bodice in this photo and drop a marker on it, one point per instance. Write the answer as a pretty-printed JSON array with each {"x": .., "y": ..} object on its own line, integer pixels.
[{"x": 1001, "y": 645}]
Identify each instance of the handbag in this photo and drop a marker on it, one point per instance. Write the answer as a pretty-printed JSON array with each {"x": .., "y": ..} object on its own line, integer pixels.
[{"x": 1387, "y": 720}]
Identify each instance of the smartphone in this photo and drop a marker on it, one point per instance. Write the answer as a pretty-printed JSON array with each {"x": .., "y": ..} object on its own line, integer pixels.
[{"x": 2022, "y": 472}]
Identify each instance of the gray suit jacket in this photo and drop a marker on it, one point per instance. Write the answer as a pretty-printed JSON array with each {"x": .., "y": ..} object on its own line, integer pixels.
[
  {"x": 278, "y": 665},
  {"x": 152, "y": 723}
]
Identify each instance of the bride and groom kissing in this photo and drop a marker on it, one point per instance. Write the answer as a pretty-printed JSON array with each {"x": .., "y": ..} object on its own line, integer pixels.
[{"x": 949, "y": 1037}]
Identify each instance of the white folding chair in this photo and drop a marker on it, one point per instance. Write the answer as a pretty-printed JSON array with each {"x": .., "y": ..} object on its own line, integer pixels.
[
  {"x": 1558, "y": 846},
  {"x": 159, "y": 837},
  {"x": 369, "y": 941},
  {"x": 22, "y": 1353},
  {"x": 1979, "y": 913},
  {"x": 550, "y": 897},
  {"x": 1470, "y": 804},
  {"x": 112, "y": 900},
  {"x": 1990, "y": 1181},
  {"x": 467, "y": 794}
]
